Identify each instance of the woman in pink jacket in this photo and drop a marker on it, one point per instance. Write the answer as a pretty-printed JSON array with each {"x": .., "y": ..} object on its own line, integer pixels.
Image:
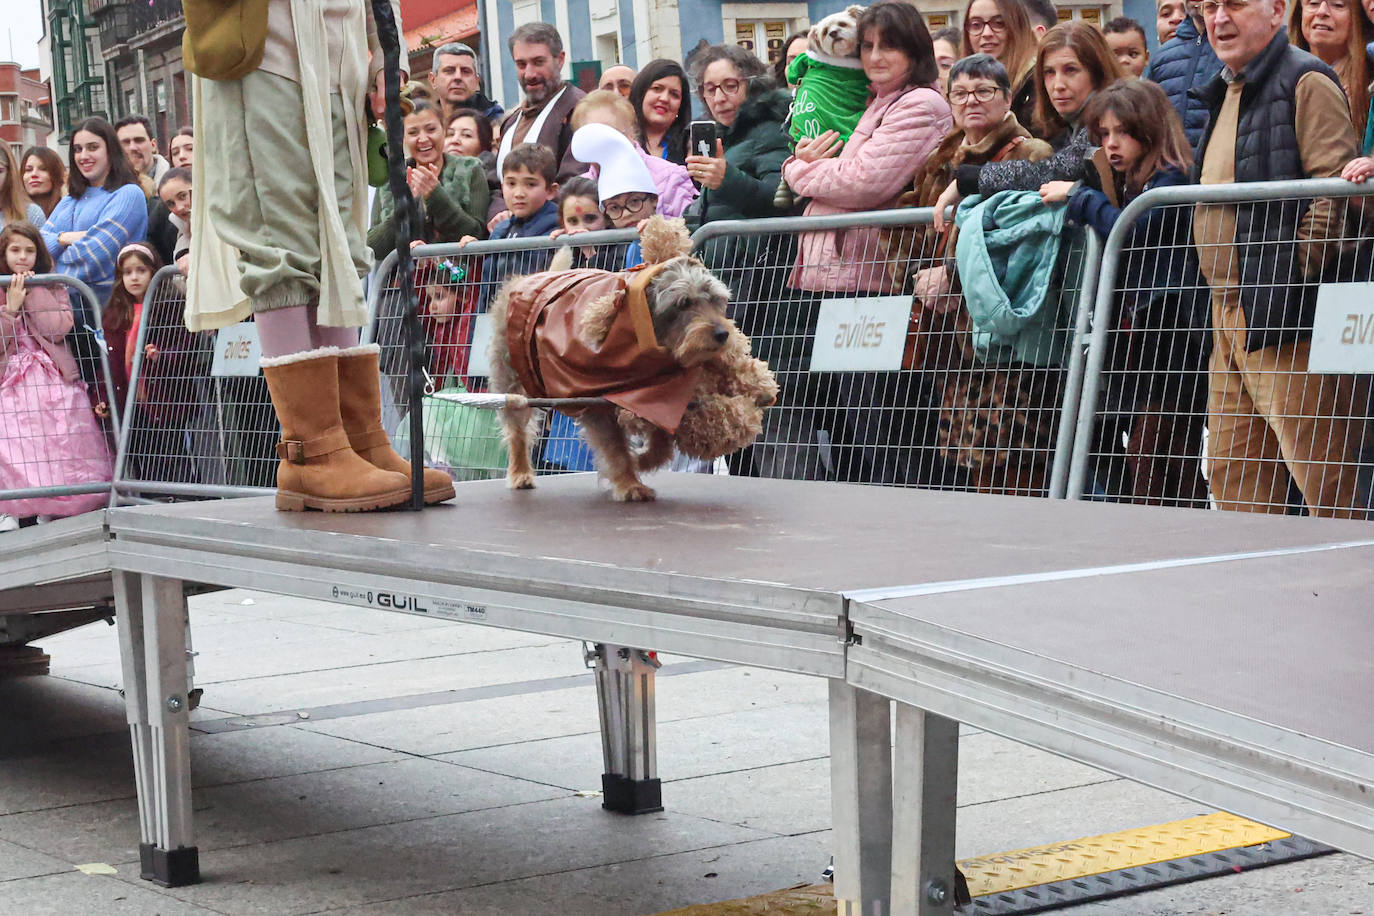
[{"x": 904, "y": 123}]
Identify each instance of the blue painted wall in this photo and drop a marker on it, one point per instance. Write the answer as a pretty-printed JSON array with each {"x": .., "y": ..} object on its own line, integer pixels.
[
  {"x": 629, "y": 55},
  {"x": 505, "y": 17},
  {"x": 580, "y": 28},
  {"x": 1143, "y": 12},
  {"x": 699, "y": 19}
]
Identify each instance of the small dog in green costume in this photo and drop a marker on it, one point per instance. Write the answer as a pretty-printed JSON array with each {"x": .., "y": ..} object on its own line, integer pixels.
[{"x": 832, "y": 90}]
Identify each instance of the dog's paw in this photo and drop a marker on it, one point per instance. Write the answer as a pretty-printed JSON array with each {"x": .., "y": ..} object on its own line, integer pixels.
[
  {"x": 636, "y": 493},
  {"x": 523, "y": 481}
]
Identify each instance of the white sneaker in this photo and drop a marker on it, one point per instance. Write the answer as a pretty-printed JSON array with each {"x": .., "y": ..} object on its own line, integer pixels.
[
  {"x": 9, "y": 523},
  {"x": 44, "y": 519}
]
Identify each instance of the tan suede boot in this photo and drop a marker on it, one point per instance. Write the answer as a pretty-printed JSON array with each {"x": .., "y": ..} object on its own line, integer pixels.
[
  {"x": 319, "y": 469},
  {"x": 360, "y": 404}
]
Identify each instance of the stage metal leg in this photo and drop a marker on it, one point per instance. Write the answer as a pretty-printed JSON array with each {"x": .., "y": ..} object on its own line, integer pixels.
[
  {"x": 625, "y": 697},
  {"x": 861, "y": 799},
  {"x": 924, "y": 789},
  {"x": 152, "y": 629}
]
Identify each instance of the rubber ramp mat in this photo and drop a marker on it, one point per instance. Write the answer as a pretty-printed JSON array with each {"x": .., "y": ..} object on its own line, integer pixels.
[{"x": 1078, "y": 871}]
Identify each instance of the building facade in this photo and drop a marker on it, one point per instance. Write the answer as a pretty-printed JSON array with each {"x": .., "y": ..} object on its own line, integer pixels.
[
  {"x": 140, "y": 45},
  {"x": 634, "y": 32},
  {"x": 25, "y": 115}
]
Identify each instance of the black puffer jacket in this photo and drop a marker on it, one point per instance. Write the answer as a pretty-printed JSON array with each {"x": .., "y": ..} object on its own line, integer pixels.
[{"x": 1184, "y": 63}]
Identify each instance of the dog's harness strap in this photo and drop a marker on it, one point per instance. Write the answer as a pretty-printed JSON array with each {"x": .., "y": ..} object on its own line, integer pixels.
[
  {"x": 297, "y": 451},
  {"x": 637, "y": 302}
]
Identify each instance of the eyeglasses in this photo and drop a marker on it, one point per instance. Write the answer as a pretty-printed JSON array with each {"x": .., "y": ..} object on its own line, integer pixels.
[
  {"x": 632, "y": 204},
  {"x": 976, "y": 26},
  {"x": 981, "y": 94},
  {"x": 729, "y": 87},
  {"x": 1336, "y": 6},
  {"x": 1210, "y": 7}
]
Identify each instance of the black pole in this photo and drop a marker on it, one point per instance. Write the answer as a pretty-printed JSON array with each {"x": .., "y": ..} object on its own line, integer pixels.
[{"x": 390, "y": 39}]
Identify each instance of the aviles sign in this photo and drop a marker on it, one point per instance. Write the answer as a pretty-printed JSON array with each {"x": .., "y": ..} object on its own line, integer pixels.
[
  {"x": 865, "y": 334},
  {"x": 1343, "y": 329}
]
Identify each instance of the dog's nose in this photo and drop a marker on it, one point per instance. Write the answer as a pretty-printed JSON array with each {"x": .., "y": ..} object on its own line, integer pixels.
[{"x": 721, "y": 335}]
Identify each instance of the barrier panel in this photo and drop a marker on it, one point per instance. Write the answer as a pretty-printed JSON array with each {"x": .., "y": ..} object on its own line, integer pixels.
[
  {"x": 886, "y": 387},
  {"x": 58, "y": 414},
  {"x": 1266, "y": 348},
  {"x": 869, "y": 393},
  {"x": 198, "y": 418},
  {"x": 455, "y": 286}
]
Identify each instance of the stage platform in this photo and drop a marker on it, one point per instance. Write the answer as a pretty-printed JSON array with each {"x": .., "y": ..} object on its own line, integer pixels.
[{"x": 846, "y": 583}]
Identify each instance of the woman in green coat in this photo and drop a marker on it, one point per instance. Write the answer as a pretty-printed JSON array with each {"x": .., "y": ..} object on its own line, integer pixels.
[{"x": 452, "y": 189}]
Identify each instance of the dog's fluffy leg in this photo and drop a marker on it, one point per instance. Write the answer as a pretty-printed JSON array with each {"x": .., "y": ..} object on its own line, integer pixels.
[
  {"x": 613, "y": 456},
  {"x": 518, "y": 424},
  {"x": 659, "y": 452}
]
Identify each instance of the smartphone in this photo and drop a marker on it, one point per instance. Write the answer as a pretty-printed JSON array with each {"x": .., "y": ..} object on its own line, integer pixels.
[{"x": 701, "y": 138}]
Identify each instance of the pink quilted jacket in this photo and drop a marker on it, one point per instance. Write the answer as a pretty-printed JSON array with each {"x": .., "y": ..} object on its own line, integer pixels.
[{"x": 896, "y": 135}]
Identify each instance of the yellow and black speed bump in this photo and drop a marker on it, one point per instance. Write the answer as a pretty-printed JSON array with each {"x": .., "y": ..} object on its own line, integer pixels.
[
  {"x": 1079, "y": 871},
  {"x": 1094, "y": 868}
]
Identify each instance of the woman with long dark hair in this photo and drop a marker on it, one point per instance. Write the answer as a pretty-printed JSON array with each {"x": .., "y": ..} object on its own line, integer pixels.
[
  {"x": 663, "y": 109},
  {"x": 45, "y": 177},
  {"x": 105, "y": 210}
]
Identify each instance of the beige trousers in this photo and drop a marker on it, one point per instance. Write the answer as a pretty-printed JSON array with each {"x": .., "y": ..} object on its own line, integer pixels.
[
  {"x": 264, "y": 201},
  {"x": 1268, "y": 418}
]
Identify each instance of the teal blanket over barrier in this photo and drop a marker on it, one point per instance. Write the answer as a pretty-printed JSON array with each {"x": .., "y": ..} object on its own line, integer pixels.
[{"x": 1007, "y": 251}]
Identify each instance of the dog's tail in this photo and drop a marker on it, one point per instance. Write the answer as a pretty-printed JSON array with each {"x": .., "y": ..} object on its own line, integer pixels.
[{"x": 562, "y": 258}]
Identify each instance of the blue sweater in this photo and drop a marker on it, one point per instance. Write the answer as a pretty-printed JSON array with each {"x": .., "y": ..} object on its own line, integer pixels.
[
  {"x": 499, "y": 267},
  {"x": 1184, "y": 63},
  {"x": 111, "y": 220}
]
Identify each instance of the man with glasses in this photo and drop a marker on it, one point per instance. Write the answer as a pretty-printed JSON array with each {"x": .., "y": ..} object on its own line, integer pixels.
[
  {"x": 543, "y": 116},
  {"x": 1276, "y": 113},
  {"x": 1185, "y": 62}
]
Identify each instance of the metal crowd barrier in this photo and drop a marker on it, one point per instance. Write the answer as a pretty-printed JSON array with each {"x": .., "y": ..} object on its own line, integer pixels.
[
  {"x": 455, "y": 286},
  {"x": 198, "y": 419},
  {"x": 1286, "y": 408},
  {"x": 867, "y": 396},
  {"x": 58, "y": 416}
]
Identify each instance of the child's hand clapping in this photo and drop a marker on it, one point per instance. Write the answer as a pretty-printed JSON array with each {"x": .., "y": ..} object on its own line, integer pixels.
[
  {"x": 151, "y": 353},
  {"x": 14, "y": 296}
]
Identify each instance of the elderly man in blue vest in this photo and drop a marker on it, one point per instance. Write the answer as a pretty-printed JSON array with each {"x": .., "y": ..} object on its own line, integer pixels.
[{"x": 1277, "y": 113}]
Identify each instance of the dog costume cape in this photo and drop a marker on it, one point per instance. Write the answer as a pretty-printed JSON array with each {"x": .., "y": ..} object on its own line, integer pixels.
[
  {"x": 830, "y": 96},
  {"x": 628, "y": 368}
]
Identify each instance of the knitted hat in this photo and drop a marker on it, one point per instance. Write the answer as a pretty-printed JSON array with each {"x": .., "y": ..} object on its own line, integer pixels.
[{"x": 620, "y": 168}]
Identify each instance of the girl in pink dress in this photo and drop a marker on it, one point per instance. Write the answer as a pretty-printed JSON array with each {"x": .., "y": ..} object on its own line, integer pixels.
[{"x": 49, "y": 435}]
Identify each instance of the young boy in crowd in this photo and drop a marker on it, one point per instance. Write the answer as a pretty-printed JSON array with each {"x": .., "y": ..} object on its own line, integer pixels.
[
  {"x": 529, "y": 182},
  {"x": 1126, "y": 38}
]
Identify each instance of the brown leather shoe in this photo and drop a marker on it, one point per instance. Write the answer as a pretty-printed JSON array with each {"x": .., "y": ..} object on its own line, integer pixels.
[
  {"x": 360, "y": 404},
  {"x": 319, "y": 469}
]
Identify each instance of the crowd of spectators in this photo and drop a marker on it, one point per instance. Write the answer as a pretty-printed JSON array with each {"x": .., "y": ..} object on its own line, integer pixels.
[{"x": 1014, "y": 120}]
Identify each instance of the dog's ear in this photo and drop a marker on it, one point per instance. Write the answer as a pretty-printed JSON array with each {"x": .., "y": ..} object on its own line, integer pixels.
[
  {"x": 664, "y": 239},
  {"x": 855, "y": 11},
  {"x": 562, "y": 258}
]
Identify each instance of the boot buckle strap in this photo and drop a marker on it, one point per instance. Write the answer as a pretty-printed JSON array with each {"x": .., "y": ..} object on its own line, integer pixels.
[{"x": 298, "y": 451}]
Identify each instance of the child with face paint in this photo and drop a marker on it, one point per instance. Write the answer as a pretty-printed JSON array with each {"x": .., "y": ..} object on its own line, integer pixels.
[{"x": 579, "y": 210}]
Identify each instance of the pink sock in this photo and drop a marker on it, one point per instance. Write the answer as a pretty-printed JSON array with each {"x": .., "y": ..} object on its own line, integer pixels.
[{"x": 284, "y": 331}]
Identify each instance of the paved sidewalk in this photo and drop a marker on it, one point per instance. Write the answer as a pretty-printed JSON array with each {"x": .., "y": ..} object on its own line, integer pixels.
[{"x": 351, "y": 761}]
